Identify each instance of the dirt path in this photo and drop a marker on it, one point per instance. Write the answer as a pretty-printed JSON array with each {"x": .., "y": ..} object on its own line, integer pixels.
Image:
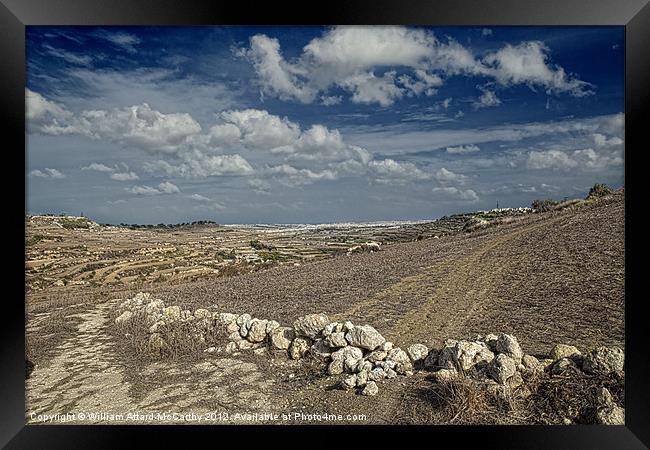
[
  {"x": 87, "y": 376},
  {"x": 470, "y": 286}
]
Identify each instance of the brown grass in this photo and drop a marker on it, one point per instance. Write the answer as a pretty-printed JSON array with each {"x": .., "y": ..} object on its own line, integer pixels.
[
  {"x": 463, "y": 400},
  {"x": 179, "y": 336},
  {"x": 571, "y": 395},
  {"x": 39, "y": 346}
]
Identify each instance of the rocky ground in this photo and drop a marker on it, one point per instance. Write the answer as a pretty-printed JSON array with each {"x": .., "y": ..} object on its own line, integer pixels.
[{"x": 548, "y": 278}]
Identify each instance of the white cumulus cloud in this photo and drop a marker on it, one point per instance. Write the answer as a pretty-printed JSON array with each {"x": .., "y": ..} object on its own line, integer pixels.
[
  {"x": 463, "y": 149},
  {"x": 98, "y": 167},
  {"x": 355, "y": 58},
  {"x": 47, "y": 173},
  {"x": 124, "y": 176}
]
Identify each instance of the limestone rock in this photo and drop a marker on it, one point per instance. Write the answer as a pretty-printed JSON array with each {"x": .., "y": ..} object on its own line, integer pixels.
[
  {"x": 362, "y": 378},
  {"x": 417, "y": 352},
  {"x": 232, "y": 327},
  {"x": 336, "y": 340},
  {"x": 200, "y": 313},
  {"x": 491, "y": 341},
  {"x": 348, "y": 352},
  {"x": 611, "y": 416},
  {"x": 604, "y": 360},
  {"x": 226, "y": 318},
  {"x": 563, "y": 365},
  {"x": 272, "y": 325},
  {"x": 562, "y": 351},
  {"x": 371, "y": 389},
  {"x": 349, "y": 382},
  {"x": 501, "y": 368},
  {"x": 361, "y": 366},
  {"x": 299, "y": 347},
  {"x": 377, "y": 355},
  {"x": 530, "y": 362},
  {"x": 376, "y": 374},
  {"x": 547, "y": 363},
  {"x": 463, "y": 355},
  {"x": 282, "y": 337},
  {"x": 335, "y": 367},
  {"x": 245, "y": 327},
  {"x": 330, "y": 328},
  {"x": 245, "y": 345},
  {"x": 242, "y": 319},
  {"x": 604, "y": 398},
  {"x": 390, "y": 373},
  {"x": 398, "y": 355},
  {"x": 124, "y": 318},
  {"x": 172, "y": 313},
  {"x": 508, "y": 345},
  {"x": 364, "y": 336},
  {"x": 235, "y": 337},
  {"x": 154, "y": 307},
  {"x": 386, "y": 346},
  {"x": 257, "y": 330},
  {"x": 311, "y": 325}
]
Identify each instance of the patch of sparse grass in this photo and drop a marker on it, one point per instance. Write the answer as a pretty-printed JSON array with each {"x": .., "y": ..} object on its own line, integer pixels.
[
  {"x": 226, "y": 255},
  {"x": 258, "y": 245},
  {"x": 34, "y": 239},
  {"x": 272, "y": 256},
  {"x": 74, "y": 222}
]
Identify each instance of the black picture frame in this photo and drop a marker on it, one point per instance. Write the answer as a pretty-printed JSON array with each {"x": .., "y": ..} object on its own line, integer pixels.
[{"x": 634, "y": 15}]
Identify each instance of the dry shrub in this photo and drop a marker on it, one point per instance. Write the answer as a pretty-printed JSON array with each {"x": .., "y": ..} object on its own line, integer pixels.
[
  {"x": 460, "y": 400},
  {"x": 544, "y": 205},
  {"x": 134, "y": 333},
  {"x": 180, "y": 337},
  {"x": 599, "y": 190},
  {"x": 182, "y": 340},
  {"x": 463, "y": 400},
  {"x": 476, "y": 224},
  {"x": 571, "y": 395},
  {"x": 310, "y": 370}
]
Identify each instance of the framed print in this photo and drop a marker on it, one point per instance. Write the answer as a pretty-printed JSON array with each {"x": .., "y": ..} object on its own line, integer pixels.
[{"x": 412, "y": 215}]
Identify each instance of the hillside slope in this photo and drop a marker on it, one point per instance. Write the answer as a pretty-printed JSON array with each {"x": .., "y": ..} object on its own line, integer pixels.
[{"x": 547, "y": 278}]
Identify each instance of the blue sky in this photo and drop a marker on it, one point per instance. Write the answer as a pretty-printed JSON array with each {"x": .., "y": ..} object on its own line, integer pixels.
[{"x": 318, "y": 124}]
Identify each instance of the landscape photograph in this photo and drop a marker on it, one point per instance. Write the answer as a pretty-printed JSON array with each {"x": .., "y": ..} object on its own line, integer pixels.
[{"x": 332, "y": 225}]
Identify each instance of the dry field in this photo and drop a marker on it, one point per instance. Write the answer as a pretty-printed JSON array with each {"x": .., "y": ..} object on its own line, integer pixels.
[{"x": 547, "y": 278}]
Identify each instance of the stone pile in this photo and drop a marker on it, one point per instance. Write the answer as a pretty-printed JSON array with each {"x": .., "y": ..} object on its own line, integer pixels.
[
  {"x": 360, "y": 355},
  {"x": 364, "y": 247}
]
